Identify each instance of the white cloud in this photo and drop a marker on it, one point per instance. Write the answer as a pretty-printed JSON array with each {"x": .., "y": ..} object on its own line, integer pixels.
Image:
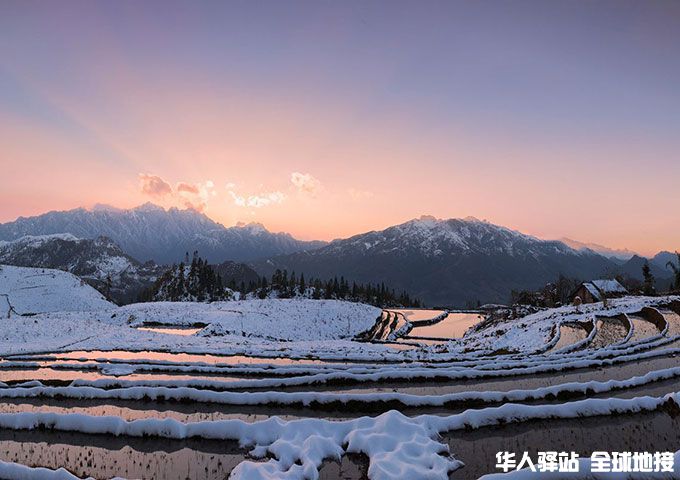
[
  {"x": 306, "y": 183},
  {"x": 258, "y": 200},
  {"x": 239, "y": 201}
]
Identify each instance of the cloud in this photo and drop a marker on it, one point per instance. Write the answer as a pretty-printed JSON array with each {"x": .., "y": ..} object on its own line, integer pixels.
[
  {"x": 359, "y": 195},
  {"x": 154, "y": 185},
  {"x": 258, "y": 200},
  {"x": 306, "y": 183},
  {"x": 198, "y": 206},
  {"x": 188, "y": 195},
  {"x": 196, "y": 195},
  {"x": 239, "y": 201},
  {"x": 187, "y": 187}
]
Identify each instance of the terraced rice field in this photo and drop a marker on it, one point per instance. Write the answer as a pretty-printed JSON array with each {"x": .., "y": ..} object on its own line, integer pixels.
[{"x": 601, "y": 382}]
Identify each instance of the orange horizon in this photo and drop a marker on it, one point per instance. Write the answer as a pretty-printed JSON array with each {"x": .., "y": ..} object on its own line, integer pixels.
[{"x": 377, "y": 227}]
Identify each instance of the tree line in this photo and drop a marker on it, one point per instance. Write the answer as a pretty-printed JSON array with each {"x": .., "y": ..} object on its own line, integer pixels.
[
  {"x": 284, "y": 285},
  {"x": 198, "y": 281}
]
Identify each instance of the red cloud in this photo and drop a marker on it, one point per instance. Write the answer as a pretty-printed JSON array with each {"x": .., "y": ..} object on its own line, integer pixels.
[
  {"x": 187, "y": 187},
  {"x": 154, "y": 185}
]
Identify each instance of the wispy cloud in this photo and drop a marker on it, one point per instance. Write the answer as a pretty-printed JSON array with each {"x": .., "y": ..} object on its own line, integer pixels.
[{"x": 258, "y": 200}]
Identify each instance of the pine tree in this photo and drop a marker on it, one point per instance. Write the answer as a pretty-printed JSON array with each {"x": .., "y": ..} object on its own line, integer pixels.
[
  {"x": 648, "y": 282},
  {"x": 676, "y": 271}
]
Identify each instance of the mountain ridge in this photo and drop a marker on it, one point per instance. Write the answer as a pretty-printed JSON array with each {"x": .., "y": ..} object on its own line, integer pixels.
[
  {"x": 446, "y": 261},
  {"x": 452, "y": 262},
  {"x": 163, "y": 235},
  {"x": 618, "y": 253}
]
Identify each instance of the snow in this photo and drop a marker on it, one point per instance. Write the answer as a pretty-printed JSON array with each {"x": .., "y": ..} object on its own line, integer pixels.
[
  {"x": 594, "y": 291},
  {"x": 37, "y": 290},
  {"x": 296, "y": 328},
  {"x": 174, "y": 391},
  {"x": 531, "y": 333},
  {"x": 281, "y": 319},
  {"x": 584, "y": 473},
  {"x": 397, "y": 446},
  {"x": 16, "y": 471},
  {"x": 35, "y": 241},
  {"x": 609, "y": 286}
]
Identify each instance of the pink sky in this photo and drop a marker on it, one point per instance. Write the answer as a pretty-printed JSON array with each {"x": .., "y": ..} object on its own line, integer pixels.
[{"x": 354, "y": 121}]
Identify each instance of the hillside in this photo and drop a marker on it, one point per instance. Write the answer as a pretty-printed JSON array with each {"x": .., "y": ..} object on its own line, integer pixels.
[
  {"x": 446, "y": 262},
  {"x": 98, "y": 261},
  {"x": 37, "y": 290}
]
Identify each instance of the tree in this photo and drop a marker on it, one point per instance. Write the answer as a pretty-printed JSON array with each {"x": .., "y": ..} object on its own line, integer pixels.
[
  {"x": 648, "y": 283},
  {"x": 676, "y": 271}
]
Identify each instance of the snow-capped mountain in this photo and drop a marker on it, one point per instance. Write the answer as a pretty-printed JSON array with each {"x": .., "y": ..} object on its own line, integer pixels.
[
  {"x": 621, "y": 254},
  {"x": 447, "y": 262},
  {"x": 98, "y": 261},
  {"x": 152, "y": 232}
]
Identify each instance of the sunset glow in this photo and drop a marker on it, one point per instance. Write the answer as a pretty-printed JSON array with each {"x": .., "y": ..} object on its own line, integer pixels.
[{"x": 327, "y": 119}]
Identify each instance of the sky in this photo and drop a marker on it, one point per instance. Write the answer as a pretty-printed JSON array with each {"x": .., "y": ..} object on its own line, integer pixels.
[{"x": 327, "y": 119}]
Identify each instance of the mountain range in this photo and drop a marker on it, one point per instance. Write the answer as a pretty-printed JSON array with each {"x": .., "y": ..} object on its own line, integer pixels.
[
  {"x": 453, "y": 262},
  {"x": 150, "y": 232}
]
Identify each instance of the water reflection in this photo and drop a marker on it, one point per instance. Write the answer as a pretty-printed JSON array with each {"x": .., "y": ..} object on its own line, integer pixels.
[
  {"x": 183, "y": 331},
  {"x": 95, "y": 355},
  {"x": 454, "y": 325}
]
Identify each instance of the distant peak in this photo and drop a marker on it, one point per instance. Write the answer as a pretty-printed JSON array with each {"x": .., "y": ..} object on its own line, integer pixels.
[
  {"x": 254, "y": 227},
  {"x": 428, "y": 221},
  {"x": 431, "y": 221},
  {"x": 103, "y": 207},
  {"x": 149, "y": 207}
]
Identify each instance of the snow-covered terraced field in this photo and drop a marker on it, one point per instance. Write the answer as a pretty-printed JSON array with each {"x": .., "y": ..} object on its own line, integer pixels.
[{"x": 293, "y": 389}]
